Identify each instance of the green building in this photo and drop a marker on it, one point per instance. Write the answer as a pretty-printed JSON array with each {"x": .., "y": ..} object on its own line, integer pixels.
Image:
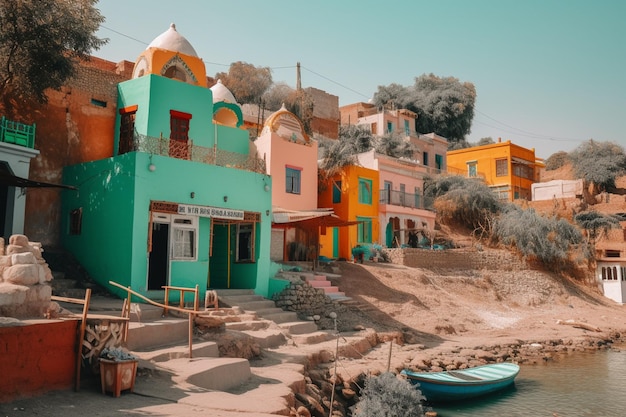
[{"x": 183, "y": 201}]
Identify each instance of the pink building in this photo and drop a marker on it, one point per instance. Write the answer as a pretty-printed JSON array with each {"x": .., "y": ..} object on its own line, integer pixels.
[
  {"x": 291, "y": 162},
  {"x": 402, "y": 209}
]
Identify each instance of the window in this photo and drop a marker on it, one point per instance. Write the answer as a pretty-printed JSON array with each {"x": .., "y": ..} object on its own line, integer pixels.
[
  {"x": 98, "y": 103},
  {"x": 245, "y": 242},
  {"x": 502, "y": 167},
  {"x": 418, "y": 202},
  {"x": 184, "y": 232},
  {"x": 179, "y": 134},
  {"x": 127, "y": 130},
  {"x": 472, "y": 172},
  {"x": 389, "y": 127},
  {"x": 365, "y": 191},
  {"x": 364, "y": 230},
  {"x": 374, "y": 128},
  {"x": 292, "y": 180},
  {"x": 407, "y": 129},
  {"x": 438, "y": 161},
  {"x": 425, "y": 158},
  {"x": 76, "y": 221},
  {"x": 403, "y": 195},
  {"x": 336, "y": 192}
]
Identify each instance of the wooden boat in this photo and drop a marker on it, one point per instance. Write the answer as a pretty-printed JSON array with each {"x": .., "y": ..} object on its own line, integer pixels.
[{"x": 464, "y": 383}]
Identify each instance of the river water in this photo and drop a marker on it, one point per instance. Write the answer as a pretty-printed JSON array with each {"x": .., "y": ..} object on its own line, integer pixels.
[{"x": 576, "y": 385}]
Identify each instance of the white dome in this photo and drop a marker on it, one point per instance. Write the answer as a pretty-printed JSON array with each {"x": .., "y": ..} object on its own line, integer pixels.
[
  {"x": 171, "y": 40},
  {"x": 221, "y": 93}
]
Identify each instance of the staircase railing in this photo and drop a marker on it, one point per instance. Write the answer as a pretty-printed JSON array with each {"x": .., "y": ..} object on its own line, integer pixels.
[{"x": 165, "y": 307}]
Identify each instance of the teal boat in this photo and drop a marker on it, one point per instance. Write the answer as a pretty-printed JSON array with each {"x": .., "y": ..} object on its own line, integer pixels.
[{"x": 463, "y": 384}]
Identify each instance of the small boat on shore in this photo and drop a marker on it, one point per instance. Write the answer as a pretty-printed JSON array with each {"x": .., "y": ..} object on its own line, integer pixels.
[{"x": 463, "y": 384}]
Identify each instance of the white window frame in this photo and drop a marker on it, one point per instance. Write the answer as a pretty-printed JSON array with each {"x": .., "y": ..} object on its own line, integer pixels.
[{"x": 184, "y": 238}]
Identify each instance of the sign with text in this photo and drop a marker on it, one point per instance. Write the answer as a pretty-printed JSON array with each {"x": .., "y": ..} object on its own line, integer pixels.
[{"x": 206, "y": 211}]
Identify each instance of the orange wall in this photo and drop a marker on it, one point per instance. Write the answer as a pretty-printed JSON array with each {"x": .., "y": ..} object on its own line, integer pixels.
[
  {"x": 349, "y": 209},
  {"x": 37, "y": 358},
  {"x": 485, "y": 157}
]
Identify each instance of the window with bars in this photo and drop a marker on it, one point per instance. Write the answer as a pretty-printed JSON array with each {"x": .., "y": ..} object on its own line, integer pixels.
[
  {"x": 292, "y": 180},
  {"x": 502, "y": 167}
]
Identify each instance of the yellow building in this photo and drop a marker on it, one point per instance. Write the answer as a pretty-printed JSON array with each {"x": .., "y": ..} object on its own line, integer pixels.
[
  {"x": 353, "y": 196},
  {"x": 508, "y": 169}
]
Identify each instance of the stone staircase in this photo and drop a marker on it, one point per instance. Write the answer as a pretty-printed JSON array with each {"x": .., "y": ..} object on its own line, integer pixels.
[{"x": 274, "y": 325}]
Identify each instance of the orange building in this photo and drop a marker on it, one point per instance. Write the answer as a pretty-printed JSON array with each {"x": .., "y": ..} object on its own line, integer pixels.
[
  {"x": 353, "y": 196},
  {"x": 508, "y": 169}
]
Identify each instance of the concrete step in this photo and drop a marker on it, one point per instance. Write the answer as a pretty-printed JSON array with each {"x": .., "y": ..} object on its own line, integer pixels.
[
  {"x": 320, "y": 283},
  {"x": 219, "y": 374},
  {"x": 267, "y": 338},
  {"x": 233, "y": 292},
  {"x": 236, "y": 299},
  {"x": 257, "y": 305},
  {"x": 248, "y": 325},
  {"x": 314, "y": 277},
  {"x": 313, "y": 338},
  {"x": 299, "y": 327},
  {"x": 140, "y": 312},
  {"x": 164, "y": 332},
  {"x": 281, "y": 317},
  {"x": 205, "y": 349}
]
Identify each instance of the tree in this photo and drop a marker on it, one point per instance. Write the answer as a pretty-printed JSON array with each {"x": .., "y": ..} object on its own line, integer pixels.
[
  {"x": 247, "y": 82},
  {"x": 599, "y": 163},
  {"x": 596, "y": 225},
  {"x": 40, "y": 41},
  {"x": 444, "y": 106},
  {"x": 550, "y": 240},
  {"x": 277, "y": 95},
  {"x": 557, "y": 160},
  {"x": 388, "y": 396}
]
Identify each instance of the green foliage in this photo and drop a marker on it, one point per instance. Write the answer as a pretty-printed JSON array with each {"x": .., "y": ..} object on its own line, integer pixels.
[
  {"x": 39, "y": 42},
  {"x": 389, "y": 396},
  {"x": 596, "y": 224},
  {"x": 392, "y": 144},
  {"x": 466, "y": 201},
  {"x": 547, "y": 239},
  {"x": 599, "y": 163},
  {"x": 557, "y": 160},
  {"x": 334, "y": 155},
  {"x": 247, "y": 82},
  {"x": 444, "y": 105}
]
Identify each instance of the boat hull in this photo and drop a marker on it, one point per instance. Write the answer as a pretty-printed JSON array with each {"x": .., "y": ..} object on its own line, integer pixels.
[{"x": 463, "y": 384}]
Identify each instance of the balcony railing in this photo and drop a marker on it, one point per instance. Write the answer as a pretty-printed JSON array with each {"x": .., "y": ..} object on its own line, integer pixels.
[
  {"x": 17, "y": 133},
  {"x": 403, "y": 199},
  {"x": 189, "y": 151}
]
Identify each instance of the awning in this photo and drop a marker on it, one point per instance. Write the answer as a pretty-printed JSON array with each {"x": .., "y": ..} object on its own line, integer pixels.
[
  {"x": 6, "y": 178},
  {"x": 309, "y": 218}
]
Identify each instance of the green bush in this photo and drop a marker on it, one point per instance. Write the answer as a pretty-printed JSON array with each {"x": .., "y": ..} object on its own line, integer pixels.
[{"x": 389, "y": 396}]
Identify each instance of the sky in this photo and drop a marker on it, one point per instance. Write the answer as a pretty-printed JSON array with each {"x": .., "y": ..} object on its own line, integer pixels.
[{"x": 549, "y": 74}]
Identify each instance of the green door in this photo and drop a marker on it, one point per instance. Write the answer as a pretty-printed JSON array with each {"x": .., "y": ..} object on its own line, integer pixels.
[{"x": 335, "y": 242}]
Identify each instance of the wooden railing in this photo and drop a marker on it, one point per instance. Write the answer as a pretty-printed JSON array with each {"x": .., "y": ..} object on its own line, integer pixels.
[{"x": 182, "y": 291}]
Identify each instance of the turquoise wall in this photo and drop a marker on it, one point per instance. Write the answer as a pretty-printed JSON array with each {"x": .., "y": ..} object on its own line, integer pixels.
[
  {"x": 115, "y": 195},
  {"x": 105, "y": 193}
]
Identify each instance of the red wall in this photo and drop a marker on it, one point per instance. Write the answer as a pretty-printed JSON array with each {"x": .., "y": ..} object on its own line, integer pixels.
[{"x": 37, "y": 358}]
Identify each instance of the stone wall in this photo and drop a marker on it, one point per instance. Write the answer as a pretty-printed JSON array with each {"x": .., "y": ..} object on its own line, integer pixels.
[
  {"x": 299, "y": 296},
  {"x": 24, "y": 279},
  {"x": 456, "y": 259}
]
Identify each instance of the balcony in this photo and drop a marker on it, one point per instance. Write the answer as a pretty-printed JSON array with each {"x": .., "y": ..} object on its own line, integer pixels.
[
  {"x": 187, "y": 150},
  {"x": 403, "y": 199},
  {"x": 17, "y": 133}
]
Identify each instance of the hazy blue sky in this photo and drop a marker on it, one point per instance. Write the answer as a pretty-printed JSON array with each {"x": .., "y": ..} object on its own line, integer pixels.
[{"x": 549, "y": 74}]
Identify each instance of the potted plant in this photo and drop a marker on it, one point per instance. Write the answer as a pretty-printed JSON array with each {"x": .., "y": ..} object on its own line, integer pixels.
[{"x": 118, "y": 369}]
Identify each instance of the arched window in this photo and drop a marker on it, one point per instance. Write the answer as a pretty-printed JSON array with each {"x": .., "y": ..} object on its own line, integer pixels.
[{"x": 176, "y": 73}]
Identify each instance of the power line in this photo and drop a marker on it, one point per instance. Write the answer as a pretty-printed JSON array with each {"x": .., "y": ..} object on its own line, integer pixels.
[
  {"x": 335, "y": 82},
  {"x": 525, "y": 133}
]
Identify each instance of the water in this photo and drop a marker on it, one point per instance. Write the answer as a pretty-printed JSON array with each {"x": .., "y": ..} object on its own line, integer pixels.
[{"x": 577, "y": 385}]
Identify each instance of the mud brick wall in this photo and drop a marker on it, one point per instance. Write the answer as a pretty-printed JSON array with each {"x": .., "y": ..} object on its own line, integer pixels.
[
  {"x": 37, "y": 358},
  {"x": 456, "y": 259}
]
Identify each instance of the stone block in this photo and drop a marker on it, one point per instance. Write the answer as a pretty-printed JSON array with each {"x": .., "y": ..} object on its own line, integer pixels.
[
  {"x": 18, "y": 240},
  {"x": 11, "y": 249},
  {"x": 22, "y": 274},
  {"x": 11, "y": 294},
  {"x": 23, "y": 258}
]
